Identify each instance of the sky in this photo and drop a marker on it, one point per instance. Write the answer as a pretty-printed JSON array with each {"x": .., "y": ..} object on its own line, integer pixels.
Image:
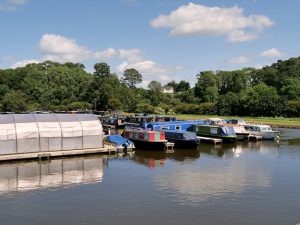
[{"x": 164, "y": 40}]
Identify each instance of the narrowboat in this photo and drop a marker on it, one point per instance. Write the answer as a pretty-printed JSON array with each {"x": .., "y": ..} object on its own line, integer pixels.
[
  {"x": 181, "y": 138},
  {"x": 145, "y": 139},
  {"x": 172, "y": 125},
  {"x": 116, "y": 121},
  {"x": 265, "y": 131},
  {"x": 239, "y": 130},
  {"x": 225, "y": 133},
  {"x": 142, "y": 118}
]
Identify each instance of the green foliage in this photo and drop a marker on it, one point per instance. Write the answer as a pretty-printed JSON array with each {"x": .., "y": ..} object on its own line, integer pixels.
[
  {"x": 144, "y": 108},
  {"x": 203, "y": 108},
  {"x": 131, "y": 77},
  {"x": 159, "y": 111},
  {"x": 261, "y": 100},
  {"x": 155, "y": 86},
  {"x": 292, "y": 109},
  {"x": 80, "y": 106},
  {"x": 206, "y": 87},
  {"x": 229, "y": 104},
  {"x": 291, "y": 88},
  {"x": 102, "y": 69},
  {"x": 114, "y": 104},
  {"x": 271, "y": 91},
  {"x": 14, "y": 101}
]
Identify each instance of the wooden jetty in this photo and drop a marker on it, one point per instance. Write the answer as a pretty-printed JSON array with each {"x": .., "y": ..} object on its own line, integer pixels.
[
  {"x": 51, "y": 154},
  {"x": 169, "y": 145},
  {"x": 210, "y": 140}
]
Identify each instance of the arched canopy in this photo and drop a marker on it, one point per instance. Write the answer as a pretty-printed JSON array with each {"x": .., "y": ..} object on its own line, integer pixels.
[{"x": 21, "y": 133}]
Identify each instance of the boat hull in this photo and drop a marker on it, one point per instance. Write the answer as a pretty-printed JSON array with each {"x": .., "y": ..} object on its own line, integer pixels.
[
  {"x": 184, "y": 143},
  {"x": 159, "y": 146},
  {"x": 225, "y": 133}
]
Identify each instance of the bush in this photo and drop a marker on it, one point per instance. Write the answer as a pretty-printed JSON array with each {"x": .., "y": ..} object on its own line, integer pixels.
[
  {"x": 201, "y": 109},
  {"x": 145, "y": 108},
  {"x": 79, "y": 106},
  {"x": 292, "y": 109}
]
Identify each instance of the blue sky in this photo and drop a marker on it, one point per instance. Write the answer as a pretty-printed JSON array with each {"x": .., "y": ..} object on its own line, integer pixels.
[{"x": 164, "y": 40}]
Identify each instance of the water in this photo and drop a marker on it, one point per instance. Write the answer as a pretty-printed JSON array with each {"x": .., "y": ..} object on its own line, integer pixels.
[{"x": 254, "y": 183}]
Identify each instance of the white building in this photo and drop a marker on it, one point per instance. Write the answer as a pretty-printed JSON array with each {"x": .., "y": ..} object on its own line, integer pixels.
[{"x": 168, "y": 89}]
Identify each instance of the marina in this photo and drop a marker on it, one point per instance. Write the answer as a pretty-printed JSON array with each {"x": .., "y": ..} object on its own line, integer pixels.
[{"x": 233, "y": 183}]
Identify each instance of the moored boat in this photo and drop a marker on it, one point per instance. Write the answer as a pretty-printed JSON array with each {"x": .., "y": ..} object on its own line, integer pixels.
[
  {"x": 181, "y": 138},
  {"x": 239, "y": 130},
  {"x": 146, "y": 139},
  {"x": 117, "y": 121},
  {"x": 265, "y": 131},
  {"x": 119, "y": 142},
  {"x": 171, "y": 125},
  {"x": 142, "y": 118},
  {"x": 226, "y": 133}
]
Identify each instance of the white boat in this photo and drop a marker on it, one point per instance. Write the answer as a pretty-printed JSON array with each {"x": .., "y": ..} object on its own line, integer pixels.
[{"x": 265, "y": 131}]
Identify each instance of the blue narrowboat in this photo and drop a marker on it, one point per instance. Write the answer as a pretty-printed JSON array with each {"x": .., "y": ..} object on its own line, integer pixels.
[
  {"x": 172, "y": 125},
  {"x": 182, "y": 138}
]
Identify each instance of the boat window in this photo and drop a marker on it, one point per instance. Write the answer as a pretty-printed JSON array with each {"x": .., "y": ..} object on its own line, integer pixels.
[
  {"x": 178, "y": 127},
  {"x": 164, "y": 127}
]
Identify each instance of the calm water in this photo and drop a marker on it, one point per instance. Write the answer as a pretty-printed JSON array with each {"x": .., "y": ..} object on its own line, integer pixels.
[{"x": 254, "y": 183}]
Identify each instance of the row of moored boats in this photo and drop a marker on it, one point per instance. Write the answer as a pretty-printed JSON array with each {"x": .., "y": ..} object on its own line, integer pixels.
[{"x": 189, "y": 133}]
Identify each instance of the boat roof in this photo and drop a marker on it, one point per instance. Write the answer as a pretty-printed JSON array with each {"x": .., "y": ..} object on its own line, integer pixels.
[
  {"x": 141, "y": 131},
  {"x": 257, "y": 125},
  {"x": 176, "y": 131}
]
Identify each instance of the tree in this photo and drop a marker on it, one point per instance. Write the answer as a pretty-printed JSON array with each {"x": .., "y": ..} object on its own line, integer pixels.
[
  {"x": 155, "y": 86},
  {"x": 206, "y": 87},
  {"x": 131, "y": 77},
  {"x": 154, "y": 93},
  {"x": 14, "y": 101},
  {"x": 102, "y": 69},
  {"x": 182, "y": 86},
  {"x": 173, "y": 84},
  {"x": 291, "y": 89},
  {"x": 262, "y": 100}
]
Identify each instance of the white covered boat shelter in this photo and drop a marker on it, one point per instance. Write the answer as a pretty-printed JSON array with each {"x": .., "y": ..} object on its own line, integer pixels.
[{"x": 36, "y": 133}]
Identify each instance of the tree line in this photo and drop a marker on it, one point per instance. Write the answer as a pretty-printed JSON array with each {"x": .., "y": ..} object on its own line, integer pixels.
[{"x": 271, "y": 91}]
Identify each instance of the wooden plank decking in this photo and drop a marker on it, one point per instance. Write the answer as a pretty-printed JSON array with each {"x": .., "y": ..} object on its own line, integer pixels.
[
  {"x": 210, "y": 140},
  {"x": 50, "y": 154}
]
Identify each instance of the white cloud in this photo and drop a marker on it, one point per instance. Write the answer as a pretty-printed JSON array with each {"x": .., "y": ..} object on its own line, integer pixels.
[
  {"x": 272, "y": 53},
  {"x": 150, "y": 70},
  {"x": 239, "y": 60},
  {"x": 11, "y": 5},
  {"x": 61, "y": 49},
  {"x": 193, "y": 19},
  {"x": 24, "y": 63}
]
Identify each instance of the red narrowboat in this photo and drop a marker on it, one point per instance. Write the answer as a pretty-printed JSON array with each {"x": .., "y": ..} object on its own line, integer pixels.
[{"x": 142, "y": 139}]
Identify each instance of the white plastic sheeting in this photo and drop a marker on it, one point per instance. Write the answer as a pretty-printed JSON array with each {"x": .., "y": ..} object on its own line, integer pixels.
[{"x": 21, "y": 133}]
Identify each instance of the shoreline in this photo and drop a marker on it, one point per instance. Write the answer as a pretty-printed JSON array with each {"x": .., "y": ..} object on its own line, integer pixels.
[{"x": 292, "y": 123}]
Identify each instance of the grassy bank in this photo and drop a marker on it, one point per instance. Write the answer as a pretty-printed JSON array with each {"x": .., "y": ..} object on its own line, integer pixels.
[{"x": 280, "y": 122}]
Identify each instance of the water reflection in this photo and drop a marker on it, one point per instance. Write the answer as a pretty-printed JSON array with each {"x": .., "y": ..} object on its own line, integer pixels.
[
  {"x": 237, "y": 149},
  {"x": 155, "y": 159},
  {"x": 211, "y": 179},
  {"x": 150, "y": 159},
  {"x": 22, "y": 176}
]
